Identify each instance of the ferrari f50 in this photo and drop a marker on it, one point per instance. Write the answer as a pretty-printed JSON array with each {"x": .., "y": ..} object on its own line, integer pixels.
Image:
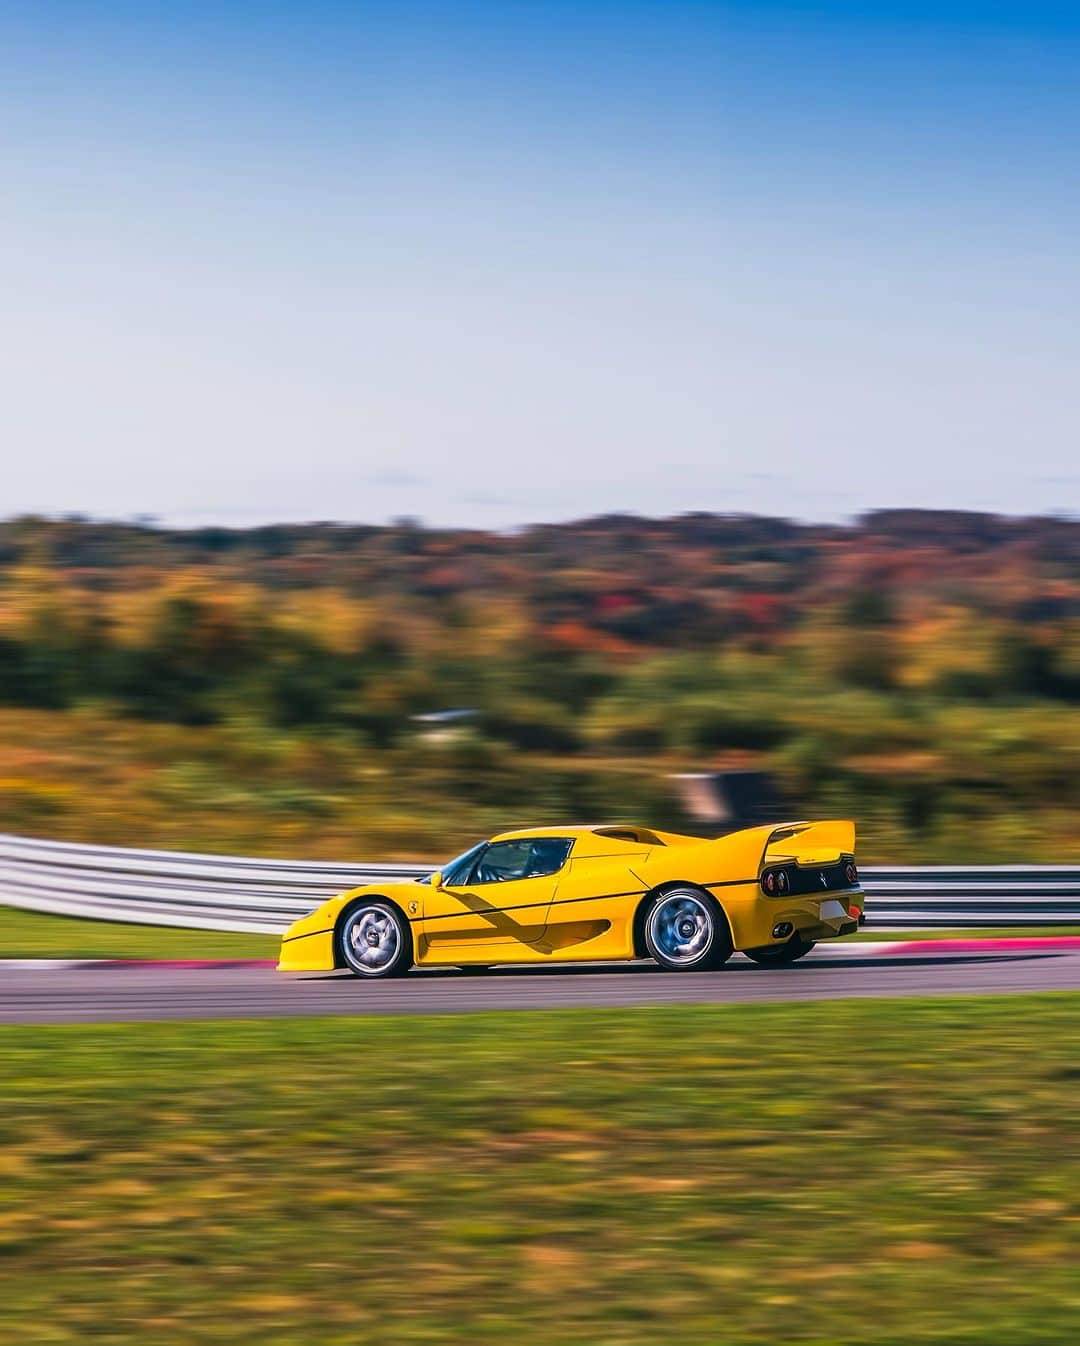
[{"x": 615, "y": 892}]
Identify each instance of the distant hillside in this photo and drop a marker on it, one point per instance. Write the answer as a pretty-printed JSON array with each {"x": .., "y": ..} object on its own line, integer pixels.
[{"x": 696, "y": 578}]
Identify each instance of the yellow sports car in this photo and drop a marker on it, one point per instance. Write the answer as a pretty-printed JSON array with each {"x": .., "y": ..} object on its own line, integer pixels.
[{"x": 562, "y": 894}]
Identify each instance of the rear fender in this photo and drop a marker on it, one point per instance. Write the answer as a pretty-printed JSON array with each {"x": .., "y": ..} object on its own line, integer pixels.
[
  {"x": 729, "y": 869},
  {"x": 643, "y": 907}
]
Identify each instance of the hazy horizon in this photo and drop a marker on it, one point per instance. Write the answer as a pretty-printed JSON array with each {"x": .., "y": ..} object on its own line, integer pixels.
[{"x": 853, "y": 522}]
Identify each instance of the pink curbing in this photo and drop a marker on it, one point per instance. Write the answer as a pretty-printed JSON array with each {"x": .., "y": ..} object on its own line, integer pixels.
[
  {"x": 894, "y": 948},
  {"x": 1012, "y": 944}
]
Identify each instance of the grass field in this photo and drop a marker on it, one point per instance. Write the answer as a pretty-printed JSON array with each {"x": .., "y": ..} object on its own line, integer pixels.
[
  {"x": 886, "y": 1172},
  {"x": 31, "y": 934}
]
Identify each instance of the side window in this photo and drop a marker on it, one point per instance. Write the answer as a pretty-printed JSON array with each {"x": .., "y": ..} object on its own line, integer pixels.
[
  {"x": 525, "y": 859},
  {"x": 549, "y": 855},
  {"x": 501, "y": 861}
]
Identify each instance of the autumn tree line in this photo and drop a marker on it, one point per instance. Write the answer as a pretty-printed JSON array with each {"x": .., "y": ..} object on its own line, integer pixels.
[{"x": 929, "y": 661}]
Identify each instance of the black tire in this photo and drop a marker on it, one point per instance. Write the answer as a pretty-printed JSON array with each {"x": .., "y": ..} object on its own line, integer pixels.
[
  {"x": 686, "y": 931},
  {"x": 374, "y": 940},
  {"x": 781, "y": 955}
]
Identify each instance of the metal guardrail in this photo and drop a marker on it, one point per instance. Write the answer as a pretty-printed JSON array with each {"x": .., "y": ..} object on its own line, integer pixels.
[
  {"x": 178, "y": 888},
  {"x": 955, "y": 897},
  {"x": 219, "y": 892}
]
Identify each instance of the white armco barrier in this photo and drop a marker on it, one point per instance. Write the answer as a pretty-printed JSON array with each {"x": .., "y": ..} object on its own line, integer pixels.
[{"x": 221, "y": 892}]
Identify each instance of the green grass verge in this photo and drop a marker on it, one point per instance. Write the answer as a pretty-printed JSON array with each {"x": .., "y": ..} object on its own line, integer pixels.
[
  {"x": 854, "y": 1172},
  {"x": 33, "y": 934}
]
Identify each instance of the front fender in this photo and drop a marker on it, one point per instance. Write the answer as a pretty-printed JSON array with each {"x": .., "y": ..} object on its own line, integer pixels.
[{"x": 308, "y": 944}]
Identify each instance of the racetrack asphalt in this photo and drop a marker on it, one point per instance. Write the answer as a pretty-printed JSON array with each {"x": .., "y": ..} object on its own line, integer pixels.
[{"x": 112, "y": 993}]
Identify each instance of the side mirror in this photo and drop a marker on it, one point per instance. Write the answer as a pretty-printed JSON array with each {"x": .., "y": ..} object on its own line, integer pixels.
[{"x": 436, "y": 879}]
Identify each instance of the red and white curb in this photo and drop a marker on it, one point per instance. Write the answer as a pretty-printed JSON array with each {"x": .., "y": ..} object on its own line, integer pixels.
[
  {"x": 923, "y": 948},
  {"x": 162, "y": 964},
  {"x": 896, "y": 948},
  {"x": 1010, "y": 944}
]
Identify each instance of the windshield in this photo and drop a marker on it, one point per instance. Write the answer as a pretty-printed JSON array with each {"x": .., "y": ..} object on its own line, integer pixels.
[{"x": 456, "y": 870}]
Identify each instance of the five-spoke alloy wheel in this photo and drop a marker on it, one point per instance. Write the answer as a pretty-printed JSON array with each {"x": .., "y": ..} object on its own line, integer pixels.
[
  {"x": 685, "y": 931},
  {"x": 375, "y": 940}
]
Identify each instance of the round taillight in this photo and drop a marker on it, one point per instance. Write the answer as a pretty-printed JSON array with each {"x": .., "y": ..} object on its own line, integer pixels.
[
  {"x": 768, "y": 881},
  {"x": 781, "y": 881},
  {"x": 851, "y": 873}
]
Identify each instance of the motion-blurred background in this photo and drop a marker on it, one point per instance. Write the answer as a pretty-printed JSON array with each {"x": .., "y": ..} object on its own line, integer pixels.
[
  {"x": 691, "y": 386},
  {"x": 351, "y": 692}
]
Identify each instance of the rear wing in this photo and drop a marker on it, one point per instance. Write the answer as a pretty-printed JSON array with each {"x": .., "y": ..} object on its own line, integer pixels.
[
  {"x": 802, "y": 843},
  {"x": 820, "y": 843}
]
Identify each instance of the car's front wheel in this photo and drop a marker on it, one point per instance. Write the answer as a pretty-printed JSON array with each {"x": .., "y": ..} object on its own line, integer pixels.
[
  {"x": 375, "y": 940},
  {"x": 780, "y": 955},
  {"x": 685, "y": 931}
]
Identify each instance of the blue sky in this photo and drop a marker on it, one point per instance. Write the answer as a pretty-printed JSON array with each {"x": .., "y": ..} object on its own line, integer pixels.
[{"x": 497, "y": 263}]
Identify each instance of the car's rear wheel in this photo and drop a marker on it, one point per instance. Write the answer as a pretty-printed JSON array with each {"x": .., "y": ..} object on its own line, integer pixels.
[
  {"x": 780, "y": 955},
  {"x": 375, "y": 940},
  {"x": 685, "y": 931}
]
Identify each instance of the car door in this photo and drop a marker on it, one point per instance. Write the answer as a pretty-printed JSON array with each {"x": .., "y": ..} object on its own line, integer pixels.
[{"x": 504, "y": 899}]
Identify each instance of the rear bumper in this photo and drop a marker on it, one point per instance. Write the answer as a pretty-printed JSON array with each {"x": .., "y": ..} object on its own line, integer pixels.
[
  {"x": 828, "y": 930},
  {"x": 834, "y": 917},
  {"x": 831, "y": 916}
]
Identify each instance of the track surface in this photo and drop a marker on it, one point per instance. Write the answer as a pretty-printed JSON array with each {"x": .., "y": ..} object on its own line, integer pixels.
[{"x": 143, "y": 993}]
